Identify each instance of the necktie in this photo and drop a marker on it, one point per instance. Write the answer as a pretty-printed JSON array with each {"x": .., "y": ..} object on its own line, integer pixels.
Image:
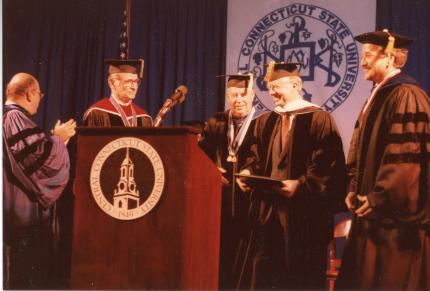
[{"x": 285, "y": 127}]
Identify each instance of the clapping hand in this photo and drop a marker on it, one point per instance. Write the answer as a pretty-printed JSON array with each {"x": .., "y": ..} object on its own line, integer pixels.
[{"x": 65, "y": 130}]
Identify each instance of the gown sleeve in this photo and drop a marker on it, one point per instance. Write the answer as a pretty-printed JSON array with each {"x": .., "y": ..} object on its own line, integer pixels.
[
  {"x": 325, "y": 175},
  {"x": 42, "y": 158},
  {"x": 96, "y": 118},
  {"x": 402, "y": 178}
]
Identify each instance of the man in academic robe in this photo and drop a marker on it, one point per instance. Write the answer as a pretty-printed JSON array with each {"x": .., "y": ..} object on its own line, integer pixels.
[
  {"x": 298, "y": 144},
  {"x": 35, "y": 172},
  {"x": 388, "y": 167},
  {"x": 223, "y": 139},
  {"x": 119, "y": 109}
]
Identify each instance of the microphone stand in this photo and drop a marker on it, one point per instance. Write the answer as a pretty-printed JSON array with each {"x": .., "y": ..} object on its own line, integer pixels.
[
  {"x": 162, "y": 112},
  {"x": 177, "y": 97}
]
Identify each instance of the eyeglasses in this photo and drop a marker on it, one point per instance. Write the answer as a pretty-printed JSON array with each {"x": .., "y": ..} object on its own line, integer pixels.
[
  {"x": 275, "y": 87},
  {"x": 373, "y": 55},
  {"x": 41, "y": 94},
  {"x": 235, "y": 96},
  {"x": 130, "y": 82}
]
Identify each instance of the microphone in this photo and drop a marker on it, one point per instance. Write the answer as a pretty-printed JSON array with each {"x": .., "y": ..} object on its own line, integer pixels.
[{"x": 178, "y": 96}]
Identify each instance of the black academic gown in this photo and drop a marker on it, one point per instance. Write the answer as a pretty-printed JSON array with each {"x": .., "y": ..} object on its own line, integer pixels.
[
  {"x": 389, "y": 163},
  {"x": 214, "y": 142},
  {"x": 288, "y": 244}
]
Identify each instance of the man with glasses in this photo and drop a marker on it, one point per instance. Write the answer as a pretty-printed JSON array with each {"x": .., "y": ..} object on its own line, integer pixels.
[
  {"x": 388, "y": 167},
  {"x": 298, "y": 145},
  {"x": 35, "y": 172},
  {"x": 224, "y": 139},
  {"x": 119, "y": 110}
]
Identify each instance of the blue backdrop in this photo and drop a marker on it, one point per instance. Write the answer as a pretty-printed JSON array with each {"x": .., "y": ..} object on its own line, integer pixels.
[
  {"x": 411, "y": 18},
  {"x": 64, "y": 43}
]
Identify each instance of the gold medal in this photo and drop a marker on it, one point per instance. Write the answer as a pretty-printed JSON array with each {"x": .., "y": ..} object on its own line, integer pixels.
[{"x": 232, "y": 158}]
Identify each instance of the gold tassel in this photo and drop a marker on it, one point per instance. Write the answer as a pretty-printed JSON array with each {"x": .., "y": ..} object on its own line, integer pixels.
[
  {"x": 142, "y": 66},
  {"x": 251, "y": 81},
  {"x": 269, "y": 72},
  {"x": 390, "y": 45}
]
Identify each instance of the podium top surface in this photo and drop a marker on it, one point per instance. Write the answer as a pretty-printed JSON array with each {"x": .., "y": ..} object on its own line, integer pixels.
[{"x": 114, "y": 130}]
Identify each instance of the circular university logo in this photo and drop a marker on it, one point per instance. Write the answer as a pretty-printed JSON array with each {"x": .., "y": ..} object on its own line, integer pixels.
[
  {"x": 127, "y": 178},
  {"x": 308, "y": 34}
]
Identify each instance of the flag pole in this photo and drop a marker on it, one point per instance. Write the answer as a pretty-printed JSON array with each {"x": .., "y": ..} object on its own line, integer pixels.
[{"x": 128, "y": 11}]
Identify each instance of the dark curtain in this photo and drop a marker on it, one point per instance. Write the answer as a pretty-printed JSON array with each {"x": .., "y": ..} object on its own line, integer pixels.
[
  {"x": 183, "y": 42},
  {"x": 411, "y": 18},
  {"x": 64, "y": 43}
]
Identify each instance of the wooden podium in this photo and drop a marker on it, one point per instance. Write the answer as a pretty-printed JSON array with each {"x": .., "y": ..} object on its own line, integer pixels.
[{"x": 173, "y": 246}]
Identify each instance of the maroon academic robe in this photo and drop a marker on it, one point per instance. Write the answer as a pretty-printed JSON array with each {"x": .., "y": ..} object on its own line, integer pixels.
[
  {"x": 104, "y": 114},
  {"x": 389, "y": 163},
  {"x": 287, "y": 248},
  {"x": 35, "y": 172}
]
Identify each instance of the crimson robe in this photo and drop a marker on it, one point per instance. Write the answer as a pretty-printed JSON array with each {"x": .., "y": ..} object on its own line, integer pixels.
[{"x": 104, "y": 114}]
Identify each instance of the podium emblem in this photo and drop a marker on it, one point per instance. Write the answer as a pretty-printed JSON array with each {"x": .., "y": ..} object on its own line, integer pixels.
[{"x": 127, "y": 178}]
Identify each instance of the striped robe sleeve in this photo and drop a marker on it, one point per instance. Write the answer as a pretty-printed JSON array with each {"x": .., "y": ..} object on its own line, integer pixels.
[
  {"x": 43, "y": 159},
  {"x": 401, "y": 181}
]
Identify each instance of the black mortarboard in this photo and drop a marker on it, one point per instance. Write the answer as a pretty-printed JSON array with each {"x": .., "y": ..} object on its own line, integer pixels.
[
  {"x": 126, "y": 66},
  {"x": 276, "y": 71},
  {"x": 239, "y": 80},
  {"x": 384, "y": 38}
]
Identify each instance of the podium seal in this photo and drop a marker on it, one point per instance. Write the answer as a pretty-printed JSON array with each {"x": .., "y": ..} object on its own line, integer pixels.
[{"x": 127, "y": 178}]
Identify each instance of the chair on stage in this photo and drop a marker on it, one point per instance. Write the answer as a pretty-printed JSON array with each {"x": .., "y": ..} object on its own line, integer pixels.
[{"x": 341, "y": 231}]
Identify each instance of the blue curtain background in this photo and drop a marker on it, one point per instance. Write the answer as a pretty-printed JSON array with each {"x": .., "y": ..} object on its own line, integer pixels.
[
  {"x": 64, "y": 44},
  {"x": 411, "y": 18}
]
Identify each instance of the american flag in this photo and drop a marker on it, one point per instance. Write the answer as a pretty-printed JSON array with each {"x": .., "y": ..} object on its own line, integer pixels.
[{"x": 123, "y": 39}]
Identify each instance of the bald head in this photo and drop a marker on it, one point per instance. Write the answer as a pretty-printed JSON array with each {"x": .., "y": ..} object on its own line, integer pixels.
[
  {"x": 19, "y": 85},
  {"x": 23, "y": 89}
]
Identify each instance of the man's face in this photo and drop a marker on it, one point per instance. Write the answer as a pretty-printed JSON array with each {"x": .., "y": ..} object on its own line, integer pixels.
[
  {"x": 125, "y": 85},
  {"x": 374, "y": 62},
  {"x": 35, "y": 97},
  {"x": 240, "y": 101},
  {"x": 283, "y": 90}
]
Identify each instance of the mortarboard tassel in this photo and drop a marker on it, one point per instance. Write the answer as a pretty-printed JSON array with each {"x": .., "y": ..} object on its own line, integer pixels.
[
  {"x": 390, "y": 45},
  {"x": 270, "y": 69}
]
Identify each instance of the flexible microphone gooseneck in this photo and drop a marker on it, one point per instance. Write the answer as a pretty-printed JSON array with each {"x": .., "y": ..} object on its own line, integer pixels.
[{"x": 178, "y": 96}]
